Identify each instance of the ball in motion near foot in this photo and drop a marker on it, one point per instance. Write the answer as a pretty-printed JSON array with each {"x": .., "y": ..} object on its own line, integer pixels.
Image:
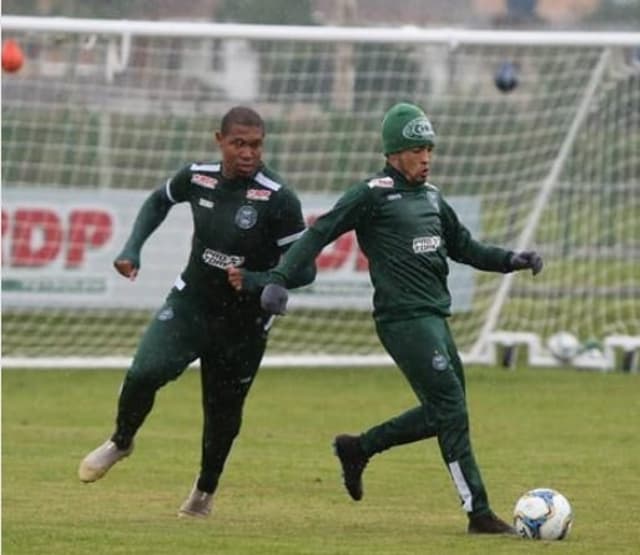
[{"x": 543, "y": 514}]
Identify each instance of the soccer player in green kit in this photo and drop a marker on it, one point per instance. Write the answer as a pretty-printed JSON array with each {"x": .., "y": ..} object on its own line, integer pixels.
[
  {"x": 407, "y": 230},
  {"x": 244, "y": 217}
]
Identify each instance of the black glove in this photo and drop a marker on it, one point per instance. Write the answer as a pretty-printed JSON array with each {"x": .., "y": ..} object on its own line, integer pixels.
[
  {"x": 274, "y": 299},
  {"x": 525, "y": 260}
]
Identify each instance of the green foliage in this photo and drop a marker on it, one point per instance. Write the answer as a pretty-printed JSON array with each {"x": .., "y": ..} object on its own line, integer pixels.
[{"x": 281, "y": 492}]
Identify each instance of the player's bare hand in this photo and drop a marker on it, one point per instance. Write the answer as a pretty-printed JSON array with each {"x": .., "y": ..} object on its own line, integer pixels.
[
  {"x": 234, "y": 276},
  {"x": 126, "y": 268}
]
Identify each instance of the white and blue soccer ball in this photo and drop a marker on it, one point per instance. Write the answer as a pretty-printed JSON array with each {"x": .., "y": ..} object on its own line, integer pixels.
[
  {"x": 564, "y": 346},
  {"x": 543, "y": 514}
]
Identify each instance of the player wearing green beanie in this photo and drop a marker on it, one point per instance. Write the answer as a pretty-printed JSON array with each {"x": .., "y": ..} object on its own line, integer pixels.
[
  {"x": 406, "y": 126},
  {"x": 408, "y": 231}
]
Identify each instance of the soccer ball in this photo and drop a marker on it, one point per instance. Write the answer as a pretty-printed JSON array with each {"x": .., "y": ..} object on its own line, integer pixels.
[
  {"x": 563, "y": 345},
  {"x": 506, "y": 77},
  {"x": 543, "y": 514}
]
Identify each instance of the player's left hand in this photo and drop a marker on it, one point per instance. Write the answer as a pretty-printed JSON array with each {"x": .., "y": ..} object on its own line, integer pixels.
[
  {"x": 274, "y": 299},
  {"x": 234, "y": 277},
  {"x": 527, "y": 259}
]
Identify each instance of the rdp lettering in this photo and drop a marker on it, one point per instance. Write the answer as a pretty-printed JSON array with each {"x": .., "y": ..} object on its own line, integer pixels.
[{"x": 39, "y": 236}]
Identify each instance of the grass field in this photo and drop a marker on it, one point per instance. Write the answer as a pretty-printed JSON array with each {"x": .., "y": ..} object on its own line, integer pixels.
[{"x": 281, "y": 494}]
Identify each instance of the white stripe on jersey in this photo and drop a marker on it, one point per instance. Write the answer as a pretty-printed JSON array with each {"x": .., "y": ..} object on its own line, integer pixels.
[
  {"x": 290, "y": 238},
  {"x": 168, "y": 191},
  {"x": 461, "y": 485},
  {"x": 267, "y": 182},
  {"x": 205, "y": 167}
]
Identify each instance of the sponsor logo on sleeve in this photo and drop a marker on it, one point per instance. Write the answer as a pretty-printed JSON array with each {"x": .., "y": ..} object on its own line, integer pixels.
[
  {"x": 220, "y": 259},
  {"x": 165, "y": 314},
  {"x": 258, "y": 194},
  {"x": 386, "y": 182},
  {"x": 206, "y": 203},
  {"x": 204, "y": 180},
  {"x": 426, "y": 244}
]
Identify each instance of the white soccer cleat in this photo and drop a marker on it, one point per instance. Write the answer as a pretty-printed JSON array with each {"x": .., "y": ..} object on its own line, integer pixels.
[
  {"x": 97, "y": 463},
  {"x": 198, "y": 504}
]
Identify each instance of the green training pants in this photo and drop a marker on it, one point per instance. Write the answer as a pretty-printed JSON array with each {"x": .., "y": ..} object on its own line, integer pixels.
[
  {"x": 425, "y": 352},
  {"x": 230, "y": 346}
]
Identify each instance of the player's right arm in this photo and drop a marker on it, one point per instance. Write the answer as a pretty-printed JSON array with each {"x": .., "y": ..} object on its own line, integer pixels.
[
  {"x": 348, "y": 212},
  {"x": 296, "y": 267},
  {"x": 351, "y": 209},
  {"x": 151, "y": 214}
]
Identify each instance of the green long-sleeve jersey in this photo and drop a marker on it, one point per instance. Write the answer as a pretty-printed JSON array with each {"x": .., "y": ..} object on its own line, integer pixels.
[
  {"x": 247, "y": 223},
  {"x": 407, "y": 231}
]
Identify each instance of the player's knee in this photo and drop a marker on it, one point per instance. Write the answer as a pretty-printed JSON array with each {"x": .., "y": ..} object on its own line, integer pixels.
[
  {"x": 140, "y": 378},
  {"x": 229, "y": 394},
  {"x": 457, "y": 422}
]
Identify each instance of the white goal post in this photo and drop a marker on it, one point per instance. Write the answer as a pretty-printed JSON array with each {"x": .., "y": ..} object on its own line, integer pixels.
[{"x": 103, "y": 111}]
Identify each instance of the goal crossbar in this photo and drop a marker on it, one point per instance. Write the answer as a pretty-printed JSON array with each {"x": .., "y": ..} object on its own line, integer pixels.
[{"x": 408, "y": 34}]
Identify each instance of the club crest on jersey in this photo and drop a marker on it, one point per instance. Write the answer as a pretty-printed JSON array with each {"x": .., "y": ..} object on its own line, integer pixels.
[
  {"x": 246, "y": 217},
  {"x": 204, "y": 180},
  {"x": 426, "y": 244},
  {"x": 258, "y": 194},
  {"x": 386, "y": 182}
]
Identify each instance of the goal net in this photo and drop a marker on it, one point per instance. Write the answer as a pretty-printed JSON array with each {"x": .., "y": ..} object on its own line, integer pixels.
[{"x": 102, "y": 112}]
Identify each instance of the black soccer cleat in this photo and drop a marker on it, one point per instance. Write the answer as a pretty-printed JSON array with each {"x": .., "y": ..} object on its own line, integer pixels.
[
  {"x": 489, "y": 523},
  {"x": 353, "y": 461}
]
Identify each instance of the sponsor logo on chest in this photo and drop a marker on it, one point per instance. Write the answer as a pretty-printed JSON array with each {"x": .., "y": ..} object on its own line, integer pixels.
[
  {"x": 204, "y": 180},
  {"x": 206, "y": 203},
  {"x": 258, "y": 194},
  {"x": 220, "y": 259},
  {"x": 426, "y": 244}
]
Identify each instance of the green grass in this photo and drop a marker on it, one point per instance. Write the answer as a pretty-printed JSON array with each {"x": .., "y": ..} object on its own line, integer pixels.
[{"x": 281, "y": 494}]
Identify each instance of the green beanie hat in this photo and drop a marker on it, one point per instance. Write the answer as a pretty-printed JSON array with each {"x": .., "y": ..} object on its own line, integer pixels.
[{"x": 406, "y": 126}]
